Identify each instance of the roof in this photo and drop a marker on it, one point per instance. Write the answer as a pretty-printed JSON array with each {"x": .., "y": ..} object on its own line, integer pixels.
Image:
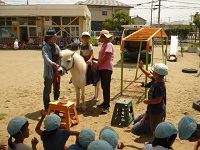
[
  {"x": 138, "y": 17},
  {"x": 45, "y": 10},
  {"x": 179, "y": 23},
  {"x": 145, "y": 35},
  {"x": 112, "y": 3}
]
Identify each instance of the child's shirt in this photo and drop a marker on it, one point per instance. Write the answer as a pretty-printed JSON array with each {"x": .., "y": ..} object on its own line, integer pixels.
[
  {"x": 21, "y": 146},
  {"x": 157, "y": 89},
  {"x": 56, "y": 141},
  {"x": 77, "y": 147},
  {"x": 86, "y": 50}
]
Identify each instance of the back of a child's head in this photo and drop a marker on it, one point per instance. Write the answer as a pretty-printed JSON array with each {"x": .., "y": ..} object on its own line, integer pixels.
[
  {"x": 109, "y": 134},
  {"x": 99, "y": 145},
  {"x": 15, "y": 128},
  {"x": 85, "y": 137},
  {"x": 52, "y": 123},
  {"x": 165, "y": 134}
]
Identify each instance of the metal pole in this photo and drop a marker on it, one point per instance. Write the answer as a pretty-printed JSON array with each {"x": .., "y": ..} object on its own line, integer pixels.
[
  {"x": 151, "y": 11},
  {"x": 159, "y": 13}
]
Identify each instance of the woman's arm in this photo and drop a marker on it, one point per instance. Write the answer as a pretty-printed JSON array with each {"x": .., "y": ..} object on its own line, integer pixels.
[{"x": 101, "y": 61}]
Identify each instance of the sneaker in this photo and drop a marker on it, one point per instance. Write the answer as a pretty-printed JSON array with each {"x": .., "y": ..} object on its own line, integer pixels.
[
  {"x": 101, "y": 105},
  {"x": 105, "y": 110}
]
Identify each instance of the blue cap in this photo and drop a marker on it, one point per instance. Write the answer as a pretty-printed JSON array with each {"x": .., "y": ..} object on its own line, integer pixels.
[
  {"x": 52, "y": 122},
  {"x": 187, "y": 126},
  {"x": 99, "y": 145},
  {"x": 86, "y": 136},
  {"x": 110, "y": 136},
  {"x": 15, "y": 125},
  {"x": 106, "y": 127},
  {"x": 50, "y": 34},
  {"x": 165, "y": 129}
]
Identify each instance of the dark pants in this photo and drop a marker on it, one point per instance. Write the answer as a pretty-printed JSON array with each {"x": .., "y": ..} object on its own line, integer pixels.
[
  {"x": 105, "y": 76},
  {"x": 139, "y": 127},
  {"x": 47, "y": 90}
]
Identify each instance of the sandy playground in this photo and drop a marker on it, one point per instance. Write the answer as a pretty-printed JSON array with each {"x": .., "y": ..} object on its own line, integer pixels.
[{"x": 21, "y": 89}]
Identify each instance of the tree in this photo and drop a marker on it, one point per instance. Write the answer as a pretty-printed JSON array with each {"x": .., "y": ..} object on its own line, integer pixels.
[
  {"x": 196, "y": 21},
  {"x": 118, "y": 19}
]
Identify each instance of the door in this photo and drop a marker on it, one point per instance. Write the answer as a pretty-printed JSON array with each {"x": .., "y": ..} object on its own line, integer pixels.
[{"x": 23, "y": 34}]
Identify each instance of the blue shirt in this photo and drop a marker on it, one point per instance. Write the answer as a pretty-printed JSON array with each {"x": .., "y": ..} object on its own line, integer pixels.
[
  {"x": 157, "y": 89},
  {"x": 56, "y": 141},
  {"x": 77, "y": 147},
  {"x": 48, "y": 60}
]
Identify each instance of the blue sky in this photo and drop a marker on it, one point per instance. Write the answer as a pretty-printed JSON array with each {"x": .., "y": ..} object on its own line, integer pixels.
[{"x": 171, "y": 10}]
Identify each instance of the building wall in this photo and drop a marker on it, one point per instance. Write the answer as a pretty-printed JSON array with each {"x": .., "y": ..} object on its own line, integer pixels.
[
  {"x": 139, "y": 21},
  {"x": 97, "y": 12},
  {"x": 22, "y": 24}
]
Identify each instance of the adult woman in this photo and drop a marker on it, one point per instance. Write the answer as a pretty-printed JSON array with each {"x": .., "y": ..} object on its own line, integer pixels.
[
  {"x": 105, "y": 68},
  {"x": 50, "y": 53}
]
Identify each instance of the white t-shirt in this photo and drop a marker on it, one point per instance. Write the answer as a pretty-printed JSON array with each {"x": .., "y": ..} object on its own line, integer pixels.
[
  {"x": 16, "y": 46},
  {"x": 21, "y": 146},
  {"x": 149, "y": 147}
]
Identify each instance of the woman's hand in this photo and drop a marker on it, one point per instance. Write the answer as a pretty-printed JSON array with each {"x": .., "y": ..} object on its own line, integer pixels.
[
  {"x": 94, "y": 67},
  {"x": 34, "y": 142}
]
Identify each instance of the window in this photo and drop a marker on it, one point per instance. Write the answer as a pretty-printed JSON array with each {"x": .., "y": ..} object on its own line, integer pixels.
[
  {"x": 32, "y": 31},
  {"x": 117, "y": 10},
  {"x": 57, "y": 29},
  {"x": 6, "y": 21},
  {"x": 66, "y": 34},
  {"x": 31, "y": 20},
  {"x": 56, "y": 20},
  {"x": 75, "y": 21},
  {"x": 65, "y": 20},
  {"x": 104, "y": 13}
]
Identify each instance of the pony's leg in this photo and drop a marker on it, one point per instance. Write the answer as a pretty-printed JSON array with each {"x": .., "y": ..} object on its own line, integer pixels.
[
  {"x": 77, "y": 96},
  {"x": 96, "y": 94},
  {"x": 83, "y": 98}
]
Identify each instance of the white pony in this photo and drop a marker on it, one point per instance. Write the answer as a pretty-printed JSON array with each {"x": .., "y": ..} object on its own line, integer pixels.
[{"x": 73, "y": 62}]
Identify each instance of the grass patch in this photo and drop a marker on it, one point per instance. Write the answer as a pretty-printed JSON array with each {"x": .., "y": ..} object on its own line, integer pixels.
[{"x": 2, "y": 116}]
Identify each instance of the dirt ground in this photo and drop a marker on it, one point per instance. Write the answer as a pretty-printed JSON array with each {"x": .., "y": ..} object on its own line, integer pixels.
[{"x": 21, "y": 89}]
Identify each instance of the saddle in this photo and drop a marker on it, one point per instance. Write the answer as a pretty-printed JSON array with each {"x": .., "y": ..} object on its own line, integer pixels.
[{"x": 89, "y": 74}]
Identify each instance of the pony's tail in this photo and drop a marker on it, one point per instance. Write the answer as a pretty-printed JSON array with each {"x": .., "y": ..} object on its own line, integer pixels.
[{"x": 10, "y": 143}]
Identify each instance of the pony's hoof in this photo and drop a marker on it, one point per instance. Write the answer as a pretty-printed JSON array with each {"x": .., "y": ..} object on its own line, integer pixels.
[{"x": 84, "y": 108}]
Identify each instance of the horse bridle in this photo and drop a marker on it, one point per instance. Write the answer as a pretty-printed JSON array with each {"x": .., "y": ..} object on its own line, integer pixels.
[{"x": 68, "y": 68}]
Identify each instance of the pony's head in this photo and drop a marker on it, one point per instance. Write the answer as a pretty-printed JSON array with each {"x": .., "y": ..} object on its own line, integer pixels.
[{"x": 67, "y": 61}]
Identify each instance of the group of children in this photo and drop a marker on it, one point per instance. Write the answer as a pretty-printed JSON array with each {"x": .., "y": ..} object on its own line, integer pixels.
[
  {"x": 164, "y": 133},
  {"x": 54, "y": 138}
]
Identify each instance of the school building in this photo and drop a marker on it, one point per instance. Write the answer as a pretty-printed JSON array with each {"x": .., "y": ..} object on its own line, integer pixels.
[{"x": 29, "y": 23}]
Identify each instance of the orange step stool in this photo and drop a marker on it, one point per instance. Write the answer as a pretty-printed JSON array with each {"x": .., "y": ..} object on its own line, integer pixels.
[{"x": 67, "y": 113}]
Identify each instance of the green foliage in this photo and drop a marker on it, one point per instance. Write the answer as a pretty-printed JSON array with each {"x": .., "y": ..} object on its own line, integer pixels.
[
  {"x": 182, "y": 31},
  {"x": 195, "y": 45},
  {"x": 2, "y": 116},
  {"x": 196, "y": 21},
  {"x": 118, "y": 19},
  {"x": 93, "y": 41}
]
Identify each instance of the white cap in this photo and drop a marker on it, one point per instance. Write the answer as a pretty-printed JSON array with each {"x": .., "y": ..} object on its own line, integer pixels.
[
  {"x": 86, "y": 34},
  {"x": 160, "y": 69}
]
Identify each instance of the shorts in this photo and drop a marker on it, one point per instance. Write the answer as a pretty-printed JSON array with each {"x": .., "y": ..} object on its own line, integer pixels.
[{"x": 155, "y": 119}]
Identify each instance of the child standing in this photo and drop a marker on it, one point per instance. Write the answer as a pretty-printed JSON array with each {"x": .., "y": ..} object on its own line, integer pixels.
[
  {"x": 156, "y": 97},
  {"x": 18, "y": 129},
  {"x": 53, "y": 138},
  {"x": 86, "y": 51}
]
